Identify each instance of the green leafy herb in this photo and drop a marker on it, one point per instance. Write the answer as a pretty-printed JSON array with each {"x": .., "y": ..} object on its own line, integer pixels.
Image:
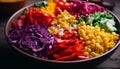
[{"x": 40, "y": 4}]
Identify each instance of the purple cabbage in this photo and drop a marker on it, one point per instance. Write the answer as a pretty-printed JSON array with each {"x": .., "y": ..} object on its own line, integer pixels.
[{"x": 34, "y": 39}]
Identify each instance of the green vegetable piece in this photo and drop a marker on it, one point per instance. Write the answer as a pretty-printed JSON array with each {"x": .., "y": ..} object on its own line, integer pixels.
[
  {"x": 81, "y": 19},
  {"x": 109, "y": 16},
  {"x": 24, "y": 11},
  {"x": 90, "y": 20},
  {"x": 97, "y": 17},
  {"x": 110, "y": 27},
  {"x": 40, "y": 4},
  {"x": 74, "y": 25},
  {"x": 44, "y": 3},
  {"x": 102, "y": 14},
  {"x": 103, "y": 26}
]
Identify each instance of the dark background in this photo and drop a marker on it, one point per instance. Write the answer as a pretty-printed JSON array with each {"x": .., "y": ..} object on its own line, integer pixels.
[{"x": 9, "y": 58}]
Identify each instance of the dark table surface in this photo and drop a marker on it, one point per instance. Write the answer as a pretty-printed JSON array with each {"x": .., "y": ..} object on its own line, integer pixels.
[{"x": 10, "y": 59}]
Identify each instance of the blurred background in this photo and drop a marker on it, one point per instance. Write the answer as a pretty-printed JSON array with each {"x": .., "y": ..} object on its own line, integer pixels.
[{"x": 9, "y": 58}]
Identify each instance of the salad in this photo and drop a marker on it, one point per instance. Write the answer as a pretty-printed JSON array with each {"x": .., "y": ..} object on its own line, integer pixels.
[{"x": 64, "y": 30}]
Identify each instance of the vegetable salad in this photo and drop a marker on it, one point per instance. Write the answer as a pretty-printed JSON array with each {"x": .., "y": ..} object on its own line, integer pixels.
[{"x": 64, "y": 31}]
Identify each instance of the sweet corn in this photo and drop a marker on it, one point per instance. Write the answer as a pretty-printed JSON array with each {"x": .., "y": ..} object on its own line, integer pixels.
[
  {"x": 63, "y": 20},
  {"x": 93, "y": 54},
  {"x": 96, "y": 40},
  {"x": 86, "y": 53},
  {"x": 53, "y": 30}
]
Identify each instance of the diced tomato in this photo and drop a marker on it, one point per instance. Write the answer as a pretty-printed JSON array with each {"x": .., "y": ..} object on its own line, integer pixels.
[{"x": 62, "y": 4}]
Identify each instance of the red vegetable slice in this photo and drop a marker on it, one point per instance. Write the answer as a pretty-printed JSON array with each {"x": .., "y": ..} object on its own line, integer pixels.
[
  {"x": 66, "y": 58},
  {"x": 57, "y": 10},
  {"x": 61, "y": 5},
  {"x": 35, "y": 16},
  {"x": 69, "y": 47}
]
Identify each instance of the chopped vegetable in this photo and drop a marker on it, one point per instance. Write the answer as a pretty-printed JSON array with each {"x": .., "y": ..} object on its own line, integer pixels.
[
  {"x": 63, "y": 4},
  {"x": 64, "y": 31},
  {"x": 79, "y": 8},
  {"x": 69, "y": 47},
  {"x": 25, "y": 10},
  {"x": 34, "y": 39},
  {"x": 36, "y": 16},
  {"x": 96, "y": 40},
  {"x": 103, "y": 20},
  {"x": 40, "y": 5},
  {"x": 50, "y": 8}
]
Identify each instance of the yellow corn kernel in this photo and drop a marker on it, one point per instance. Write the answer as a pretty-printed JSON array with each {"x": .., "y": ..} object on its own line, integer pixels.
[
  {"x": 86, "y": 53},
  {"x": 52, "y": 30},
  {"x": 93, "y": 41},
  {"x": 98, "y": 37},
  {"x": 87, "y": 42},
  {"x": 64, "y": 20},
  {"x": 99, "y": 48},
  {"x": 101, "y": 41},
  {"x": 93, "y": 54},
  {"x": 89, "y": 50}
]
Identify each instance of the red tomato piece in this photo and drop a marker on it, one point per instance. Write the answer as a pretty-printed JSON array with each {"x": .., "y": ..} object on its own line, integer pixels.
[{"x": 62, "y": 4}]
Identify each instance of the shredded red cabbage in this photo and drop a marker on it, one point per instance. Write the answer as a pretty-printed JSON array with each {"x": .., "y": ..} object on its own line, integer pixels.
[
  {"x": 84, "y": 8},
  {"x": 34, "y": 39}
]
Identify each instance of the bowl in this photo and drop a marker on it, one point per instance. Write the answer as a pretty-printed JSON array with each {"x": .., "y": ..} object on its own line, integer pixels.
[
  {"x": 92, "y": 61},
  {"x": 11, "y": 6}
]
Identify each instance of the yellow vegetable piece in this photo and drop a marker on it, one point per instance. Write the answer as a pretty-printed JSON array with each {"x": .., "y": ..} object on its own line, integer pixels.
[
  {"x": 50, "y": 8},
  {"x": 96, "y": 40},
  {"x": 63, "y": 20}
]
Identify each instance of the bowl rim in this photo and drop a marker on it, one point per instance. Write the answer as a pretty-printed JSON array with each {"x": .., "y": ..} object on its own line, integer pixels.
[{"x": 55, "y": 61}]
